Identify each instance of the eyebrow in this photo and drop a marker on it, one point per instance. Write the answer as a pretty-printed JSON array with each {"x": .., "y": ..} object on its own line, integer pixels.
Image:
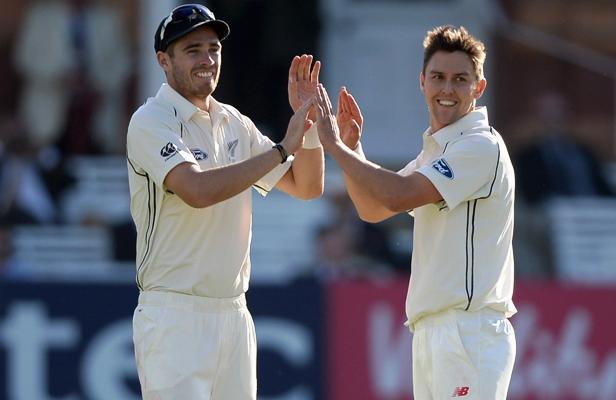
[
  {"x": 443, "y": 73},
  {"x": 199, "y": 44}
]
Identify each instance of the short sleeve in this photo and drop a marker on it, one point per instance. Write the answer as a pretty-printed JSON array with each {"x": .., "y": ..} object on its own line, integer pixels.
[
  {"x": 259, "y": 144},
  {"x": 465, "y": 171},
  {"x": 156, "y": 149},
  {"x": 408, "y": 169}
]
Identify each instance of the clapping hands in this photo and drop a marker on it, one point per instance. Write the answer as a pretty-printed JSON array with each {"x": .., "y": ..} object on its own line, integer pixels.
[
  {"x": 303, "y": 81},
  {"x": 345, "y": 127},
  {"x": 349, "y": 118}
]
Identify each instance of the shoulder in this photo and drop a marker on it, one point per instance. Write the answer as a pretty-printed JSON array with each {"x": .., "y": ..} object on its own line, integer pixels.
[
  {"x": 154, "y": 113},
  {"x": 481, "y": 140},
  {"x": 230, "y": 109},
  {"x": 235, "y": 115}
]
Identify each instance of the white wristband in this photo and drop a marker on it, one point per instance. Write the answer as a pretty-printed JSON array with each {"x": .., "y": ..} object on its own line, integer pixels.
[
  {"x": 359, "y": 150},
  {"x": 311, "y": 138}
]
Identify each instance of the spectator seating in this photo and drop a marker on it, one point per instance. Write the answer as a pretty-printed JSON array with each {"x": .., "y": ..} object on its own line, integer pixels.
[
  {"x": 283, "y": 235},
  {"x": 65, "y": 252},
  {"x": 583, "y": 233},
  {"x": 101, "y": 190}
]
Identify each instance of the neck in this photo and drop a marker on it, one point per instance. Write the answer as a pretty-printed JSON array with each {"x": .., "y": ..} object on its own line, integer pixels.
[{"x": 202, "y": 102}]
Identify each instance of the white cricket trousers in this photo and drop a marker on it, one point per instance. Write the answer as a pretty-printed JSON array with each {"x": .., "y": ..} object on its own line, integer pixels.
[
  {"x": 463, "y": 355},
  {"x": 194, "y": 348}
]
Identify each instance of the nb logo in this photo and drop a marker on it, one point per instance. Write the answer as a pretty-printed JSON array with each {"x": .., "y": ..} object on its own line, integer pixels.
[
  {"x": 460, "y": 391},
  {"x": 443, "y": 168},
  {"x": 169, "y": 150}
]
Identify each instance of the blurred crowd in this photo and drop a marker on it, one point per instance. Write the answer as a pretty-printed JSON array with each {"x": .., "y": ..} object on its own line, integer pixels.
[
  {"x": 554, "y": 164},
  {"x": 71, "y": 73},
  {"x": 71, "y": 64}
]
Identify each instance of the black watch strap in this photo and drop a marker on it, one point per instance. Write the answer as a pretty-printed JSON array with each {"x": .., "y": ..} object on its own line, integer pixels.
[{"x": 282, "y": 151}]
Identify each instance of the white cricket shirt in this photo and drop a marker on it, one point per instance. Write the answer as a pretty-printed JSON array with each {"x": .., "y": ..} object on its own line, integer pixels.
[
  {"x": 462, "y": 252},
  {"x": 198, "y": 251}
]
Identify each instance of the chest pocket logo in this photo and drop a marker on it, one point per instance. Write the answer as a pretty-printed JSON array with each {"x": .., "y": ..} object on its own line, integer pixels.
[
  {"x": 199, "y": 154},
  {"x": 443, "y": 168},
  {"x": 231, "y": 146}
]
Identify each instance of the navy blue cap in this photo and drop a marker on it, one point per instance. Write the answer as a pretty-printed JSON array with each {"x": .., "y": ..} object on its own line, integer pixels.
[{"x": 184, "y": 19}]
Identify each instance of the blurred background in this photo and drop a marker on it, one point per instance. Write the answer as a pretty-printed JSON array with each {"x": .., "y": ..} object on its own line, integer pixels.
[{"x": 327, "y": 290}]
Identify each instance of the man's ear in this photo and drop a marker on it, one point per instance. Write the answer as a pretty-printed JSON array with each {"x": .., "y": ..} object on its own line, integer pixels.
[
  {"x": 163, "y": 60},
  {"x": 422, "y": 80},
  {"x": 480, "y": 88}
]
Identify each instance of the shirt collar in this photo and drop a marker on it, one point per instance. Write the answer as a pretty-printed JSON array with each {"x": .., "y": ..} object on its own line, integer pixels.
[
  {"x": 185, "y": 108},
  {"x": 476, "y": 118},
  {"x": 217, "y": 111}
]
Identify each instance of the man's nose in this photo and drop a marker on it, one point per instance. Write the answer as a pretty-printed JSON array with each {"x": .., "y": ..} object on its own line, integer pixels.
[
  {"x": 207, "y": 59},
  {"x": 447, "y": 86}
]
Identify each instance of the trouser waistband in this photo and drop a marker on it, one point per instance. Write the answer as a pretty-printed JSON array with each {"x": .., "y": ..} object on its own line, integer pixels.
[
  {"x": 197, "y": 303},
  {"x": 434, "y": 320}
]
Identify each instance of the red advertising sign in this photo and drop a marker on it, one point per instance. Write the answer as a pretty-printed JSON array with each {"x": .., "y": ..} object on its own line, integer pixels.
[
  {"x": 566, "y": 342},
  {"x": 369, "y": 346}
]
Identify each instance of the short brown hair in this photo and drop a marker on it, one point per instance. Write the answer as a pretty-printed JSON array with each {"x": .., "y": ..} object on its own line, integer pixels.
[{"x": 449, "y": 38}]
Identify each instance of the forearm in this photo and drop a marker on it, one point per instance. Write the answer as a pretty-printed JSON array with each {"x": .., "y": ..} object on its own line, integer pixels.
[
  {"x": 368, "y": 208},
  {"x": 199, "y": 188},
  {"x": 308, "y": 173},
  {"x": 373, "y": 189},
  {"x": 305, "y": 179},
  {"x": 376, "y": 192}
]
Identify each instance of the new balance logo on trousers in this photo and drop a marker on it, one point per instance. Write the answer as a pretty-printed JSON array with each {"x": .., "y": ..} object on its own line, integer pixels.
[{"x": 460, "y": 391}]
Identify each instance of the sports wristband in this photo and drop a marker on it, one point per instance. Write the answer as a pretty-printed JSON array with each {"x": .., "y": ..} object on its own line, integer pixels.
[
  {"x": 359, "y": 150},
  {"x": 311, "y": 138},
  {"x": 282, "y": 151}
]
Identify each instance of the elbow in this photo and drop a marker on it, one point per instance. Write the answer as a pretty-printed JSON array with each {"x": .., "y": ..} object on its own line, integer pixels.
[
  {"x": 315, "y": 192},
  {"x": 202, "y": 204},
  {"x": 197, "y": 203},
  {"x": 198, "y": 200},
  {"x": 400, "y": 204},
  {"x": 393, "y": 204},
  {"x": 399, "y": 208},
  {"x": 371, "y": 219},
  {"x": 309, "y": 195},
  {"x": 312, "y": 192}
]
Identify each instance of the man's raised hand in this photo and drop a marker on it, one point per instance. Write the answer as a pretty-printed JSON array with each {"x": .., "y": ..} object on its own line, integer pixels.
[
  {"x": 326, "y": 121},
  {"x": 349, "y": 118},
  {"x": 303, "y": 81},
  {"x": 298, "y": 125}
]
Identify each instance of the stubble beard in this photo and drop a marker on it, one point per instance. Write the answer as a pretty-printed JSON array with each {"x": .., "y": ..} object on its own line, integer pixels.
[{"x": 189, "y": 90}]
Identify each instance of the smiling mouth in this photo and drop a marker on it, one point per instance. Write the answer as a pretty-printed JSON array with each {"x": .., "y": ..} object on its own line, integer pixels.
[
  {"x": 205, "y": 75},
  {"x": 446, "y": 103}
]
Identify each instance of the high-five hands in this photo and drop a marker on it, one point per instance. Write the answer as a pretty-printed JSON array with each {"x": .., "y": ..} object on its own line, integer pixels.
[
  {"x": 350, "y": 120},
  {"x": 326, "y": 121},
  {"x": 298, "y": 125},
  {"x": 303, "y": 81},
  {"x": 345, "y": 127}
]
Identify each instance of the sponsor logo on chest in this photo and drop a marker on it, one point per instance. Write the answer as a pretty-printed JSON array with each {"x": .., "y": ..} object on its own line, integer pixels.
[{"x": 199, "y": 154}]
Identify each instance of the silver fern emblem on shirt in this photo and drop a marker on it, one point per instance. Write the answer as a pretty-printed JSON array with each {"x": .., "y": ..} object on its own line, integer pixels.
[{"x": 231, "y": 146}]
